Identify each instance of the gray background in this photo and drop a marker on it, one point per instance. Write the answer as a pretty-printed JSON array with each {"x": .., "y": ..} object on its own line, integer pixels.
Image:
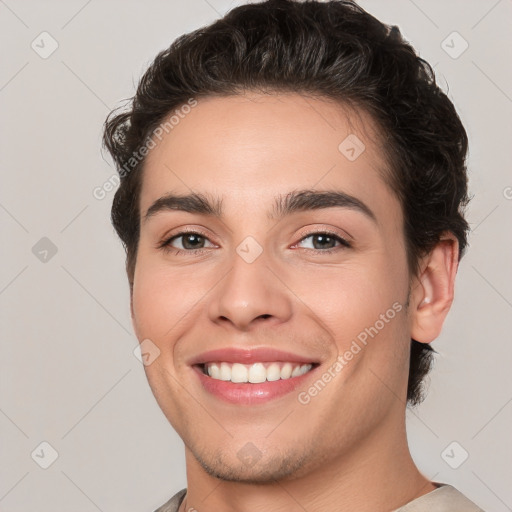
[{"x": 68, "y": 373}]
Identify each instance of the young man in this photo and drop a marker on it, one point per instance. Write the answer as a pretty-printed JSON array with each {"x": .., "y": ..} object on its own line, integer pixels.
[{"x": 292, "y": 193}]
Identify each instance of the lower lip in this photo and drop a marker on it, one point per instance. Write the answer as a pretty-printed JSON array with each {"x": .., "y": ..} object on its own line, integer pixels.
[{"x": 250, "y": 394}]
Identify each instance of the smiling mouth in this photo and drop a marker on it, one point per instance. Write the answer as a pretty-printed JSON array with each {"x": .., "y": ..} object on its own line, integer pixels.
[{"x": 255, "y": 373}]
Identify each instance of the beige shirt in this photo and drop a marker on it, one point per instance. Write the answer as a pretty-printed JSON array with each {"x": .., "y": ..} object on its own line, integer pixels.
[{"x": 443, "y": 499}]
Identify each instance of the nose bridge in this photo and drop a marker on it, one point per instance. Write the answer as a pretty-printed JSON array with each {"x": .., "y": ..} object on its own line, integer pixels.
[{"x": 250, "y": 289}]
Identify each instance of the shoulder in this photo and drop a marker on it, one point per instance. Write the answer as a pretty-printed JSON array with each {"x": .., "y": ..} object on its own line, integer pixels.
[
  {"x": 174, "y": 503},
  {"x": 445, "y": 498}
]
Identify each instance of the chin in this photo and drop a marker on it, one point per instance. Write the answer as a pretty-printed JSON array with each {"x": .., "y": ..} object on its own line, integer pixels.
[{"x": 255, "y": 469}]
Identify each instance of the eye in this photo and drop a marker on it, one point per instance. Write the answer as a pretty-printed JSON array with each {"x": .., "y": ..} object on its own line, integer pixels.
[
  {"x": 188, "y": 241},
  {"x": 325, "y": 241},
  {"x": 194, "y": 242}
]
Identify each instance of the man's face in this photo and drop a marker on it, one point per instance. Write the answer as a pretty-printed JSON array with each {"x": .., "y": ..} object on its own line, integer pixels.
[{"x": 265, "y": 293}]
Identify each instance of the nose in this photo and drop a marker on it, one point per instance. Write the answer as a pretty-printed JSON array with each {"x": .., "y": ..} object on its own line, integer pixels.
[{"x": 248, "y": 294}]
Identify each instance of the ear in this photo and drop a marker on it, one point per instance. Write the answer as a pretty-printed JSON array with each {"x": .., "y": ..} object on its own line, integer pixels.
[{"x": 432, "y": 296}]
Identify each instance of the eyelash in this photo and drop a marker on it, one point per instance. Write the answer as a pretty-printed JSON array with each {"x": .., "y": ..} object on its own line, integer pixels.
[{"x": 165, "y": 245}]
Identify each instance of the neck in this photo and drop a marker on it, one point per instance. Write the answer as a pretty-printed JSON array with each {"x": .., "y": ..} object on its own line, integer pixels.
[{"x": 377, "y": 474}]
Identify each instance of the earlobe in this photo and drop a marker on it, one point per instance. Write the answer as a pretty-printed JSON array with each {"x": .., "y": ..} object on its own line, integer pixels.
[{"x": 433, "y": 295}]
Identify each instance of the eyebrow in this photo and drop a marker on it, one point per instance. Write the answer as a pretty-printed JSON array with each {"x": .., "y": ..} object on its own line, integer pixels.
[{"x": 293, "y": 202}]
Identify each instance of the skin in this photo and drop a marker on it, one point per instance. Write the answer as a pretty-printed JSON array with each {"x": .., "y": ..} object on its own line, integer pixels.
[{"x": 346, "y": 450}]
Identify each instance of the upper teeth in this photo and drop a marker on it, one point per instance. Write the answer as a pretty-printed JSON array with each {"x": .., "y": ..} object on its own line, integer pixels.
[{"x": 257, "y": 372}]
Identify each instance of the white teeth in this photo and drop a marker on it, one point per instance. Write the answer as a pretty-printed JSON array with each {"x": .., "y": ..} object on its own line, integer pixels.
[
  {"x": 255, "y": 373},
  {"x": 286, "y": 371},
  {"x": 239, "y": 373},
  {"x": 305, "y": 368},
  {"x": 300, "y": 370},
  {"x": 273, "y": 372},
  {"x": 296, "y": 371},
  {"x": 225, "y": 371},
  {"x": 214, "y": 371}
]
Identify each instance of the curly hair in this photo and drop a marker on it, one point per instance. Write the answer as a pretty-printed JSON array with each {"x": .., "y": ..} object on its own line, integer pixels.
[{"x": 333, "y": 50}]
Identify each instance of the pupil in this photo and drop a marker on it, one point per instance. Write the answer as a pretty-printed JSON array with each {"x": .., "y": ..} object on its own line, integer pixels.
[
  {"x": 191, "y": 237},
  {"x": 323, "y": 238}
]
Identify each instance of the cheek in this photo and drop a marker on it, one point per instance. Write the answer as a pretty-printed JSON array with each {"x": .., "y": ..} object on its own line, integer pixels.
[
  {"x": 166, "y": 298},
  {"x": 352, "y": 297},
  {"x": 363, "y": 308},
  {"x": 156, "y": 300}
]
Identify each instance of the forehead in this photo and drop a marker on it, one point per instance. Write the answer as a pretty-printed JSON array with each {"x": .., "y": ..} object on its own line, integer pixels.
[{"x": 248, "y": 149}]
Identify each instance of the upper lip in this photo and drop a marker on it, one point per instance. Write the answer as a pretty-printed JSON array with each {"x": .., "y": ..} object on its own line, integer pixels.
[{"x": 249, "y": 356}]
